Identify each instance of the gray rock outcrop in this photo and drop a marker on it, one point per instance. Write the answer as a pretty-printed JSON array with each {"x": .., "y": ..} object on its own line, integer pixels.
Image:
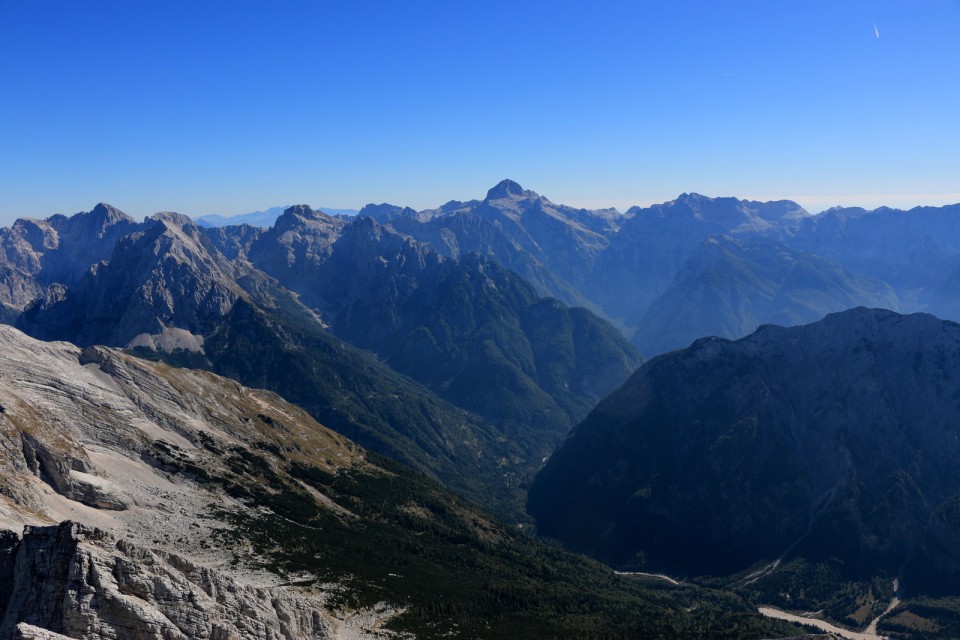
[
  {"x": 129, "y": 448},
  {"x": 75, "y": 581}
]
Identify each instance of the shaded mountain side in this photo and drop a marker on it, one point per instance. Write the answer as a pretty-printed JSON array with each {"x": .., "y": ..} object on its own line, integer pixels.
[
  {"x": 473, "y": 332},
  {"x": 835, "y": 440},
  {"x": 356, "y": 395},
  {"x": 233, "y": 241},
  {"x": 165, "y": 281},
  {"x": 458, "y": 234},
  {"x": 205, "y": 509},
  {"x": 941, "y": 295},
  {"x": 731, "y": 286}
]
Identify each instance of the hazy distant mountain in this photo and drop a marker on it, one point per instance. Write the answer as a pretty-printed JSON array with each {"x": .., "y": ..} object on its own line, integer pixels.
[
  {"x": 905, "y": 248},
  {"x": 651, "y": 247},
  {"x": 835, "y": 441},
  {"x": 729, "y": 287},
  {"x": 615, "y": 264},
  {"x": 261, "y": 218}
]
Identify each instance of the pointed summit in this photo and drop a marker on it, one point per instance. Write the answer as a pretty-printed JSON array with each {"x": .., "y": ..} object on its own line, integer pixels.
[
  {"x": 103, "y": 209},
  {"x": 108, "y": 214},
  {"x": 174, "y": 218},
  {"x": 294, "y": 216},
  {"x": 506, "y": 189},
  {"x": 302, "y": 210},
  {"x": 301, "y": 216}
]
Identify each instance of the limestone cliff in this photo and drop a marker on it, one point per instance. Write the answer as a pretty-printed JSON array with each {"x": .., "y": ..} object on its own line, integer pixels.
[{"x": 74, "y": 581}]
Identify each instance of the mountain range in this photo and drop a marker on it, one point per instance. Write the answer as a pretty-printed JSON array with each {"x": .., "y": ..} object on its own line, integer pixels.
[
  {"x": 800, "y": 457},
  {"x": 637, "y": 267},
  {"x": 266, "y": 307}
]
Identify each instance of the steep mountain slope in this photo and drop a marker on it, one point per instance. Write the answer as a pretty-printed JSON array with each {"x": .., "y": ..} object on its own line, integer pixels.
[
  {"x": 473, "y": 332},
  {"x": 837, "y": 439},
  {"x": 731, "y": 286},
  {"x": 353, "y": 393},
  {"x": 167, "y": 292},
  {"x": 203, "y": 509},
  {"x": 125, "y": 446}
]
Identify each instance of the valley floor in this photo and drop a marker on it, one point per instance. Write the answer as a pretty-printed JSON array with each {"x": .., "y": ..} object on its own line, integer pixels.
[{"x": 869, "y": 634}]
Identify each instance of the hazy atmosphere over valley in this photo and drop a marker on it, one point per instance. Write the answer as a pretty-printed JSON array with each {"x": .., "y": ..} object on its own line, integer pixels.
[{"x": 373, "y": 320}]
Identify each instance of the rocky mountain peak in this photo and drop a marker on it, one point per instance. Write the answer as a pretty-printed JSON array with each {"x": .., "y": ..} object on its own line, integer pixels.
[
  {"x": 107, "y": 214},
  {"x": 385, "y": 212},
  {"x": 691, "y": 199},
  {"x": 175, "y": 219},
  {"x": 508, "y": 189},
  {"x": 302, "y": 210},
  {"x": 301, "y": 215}
]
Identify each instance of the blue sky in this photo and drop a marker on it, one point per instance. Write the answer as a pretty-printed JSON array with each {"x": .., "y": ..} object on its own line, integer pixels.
[{"x": 228, "y": 107}]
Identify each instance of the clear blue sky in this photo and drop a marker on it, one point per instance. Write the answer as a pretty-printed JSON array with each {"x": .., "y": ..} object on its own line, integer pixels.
[{"x": 226, "y": 107}]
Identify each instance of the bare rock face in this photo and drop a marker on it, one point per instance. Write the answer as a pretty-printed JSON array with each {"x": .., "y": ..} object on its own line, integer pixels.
[
  {"x": 29, "y": 632},
  {"x": 165, "y": 275},
  {"x": 300, "y": 240},
  {"x": 75, "y": 581},
  {"x": 37, "y": 253},
  {"x": 129, "y": 447},
  {"x": 70, "y": 473}
]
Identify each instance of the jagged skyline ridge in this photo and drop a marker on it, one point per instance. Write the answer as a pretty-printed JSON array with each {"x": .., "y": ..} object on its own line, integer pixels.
[{"x": 265, "y": 218}]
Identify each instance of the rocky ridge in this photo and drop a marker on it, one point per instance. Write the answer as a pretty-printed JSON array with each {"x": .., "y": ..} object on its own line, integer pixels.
[
  {"x": 124, "y": 447},
  {"x": 550, "y": 245},
  {"x": 71, "y": 580},
  {"x": 32, "y": 258}
]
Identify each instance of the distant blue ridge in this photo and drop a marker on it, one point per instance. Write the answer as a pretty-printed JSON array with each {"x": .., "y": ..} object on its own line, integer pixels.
[{"x": 262, "y": 218}]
